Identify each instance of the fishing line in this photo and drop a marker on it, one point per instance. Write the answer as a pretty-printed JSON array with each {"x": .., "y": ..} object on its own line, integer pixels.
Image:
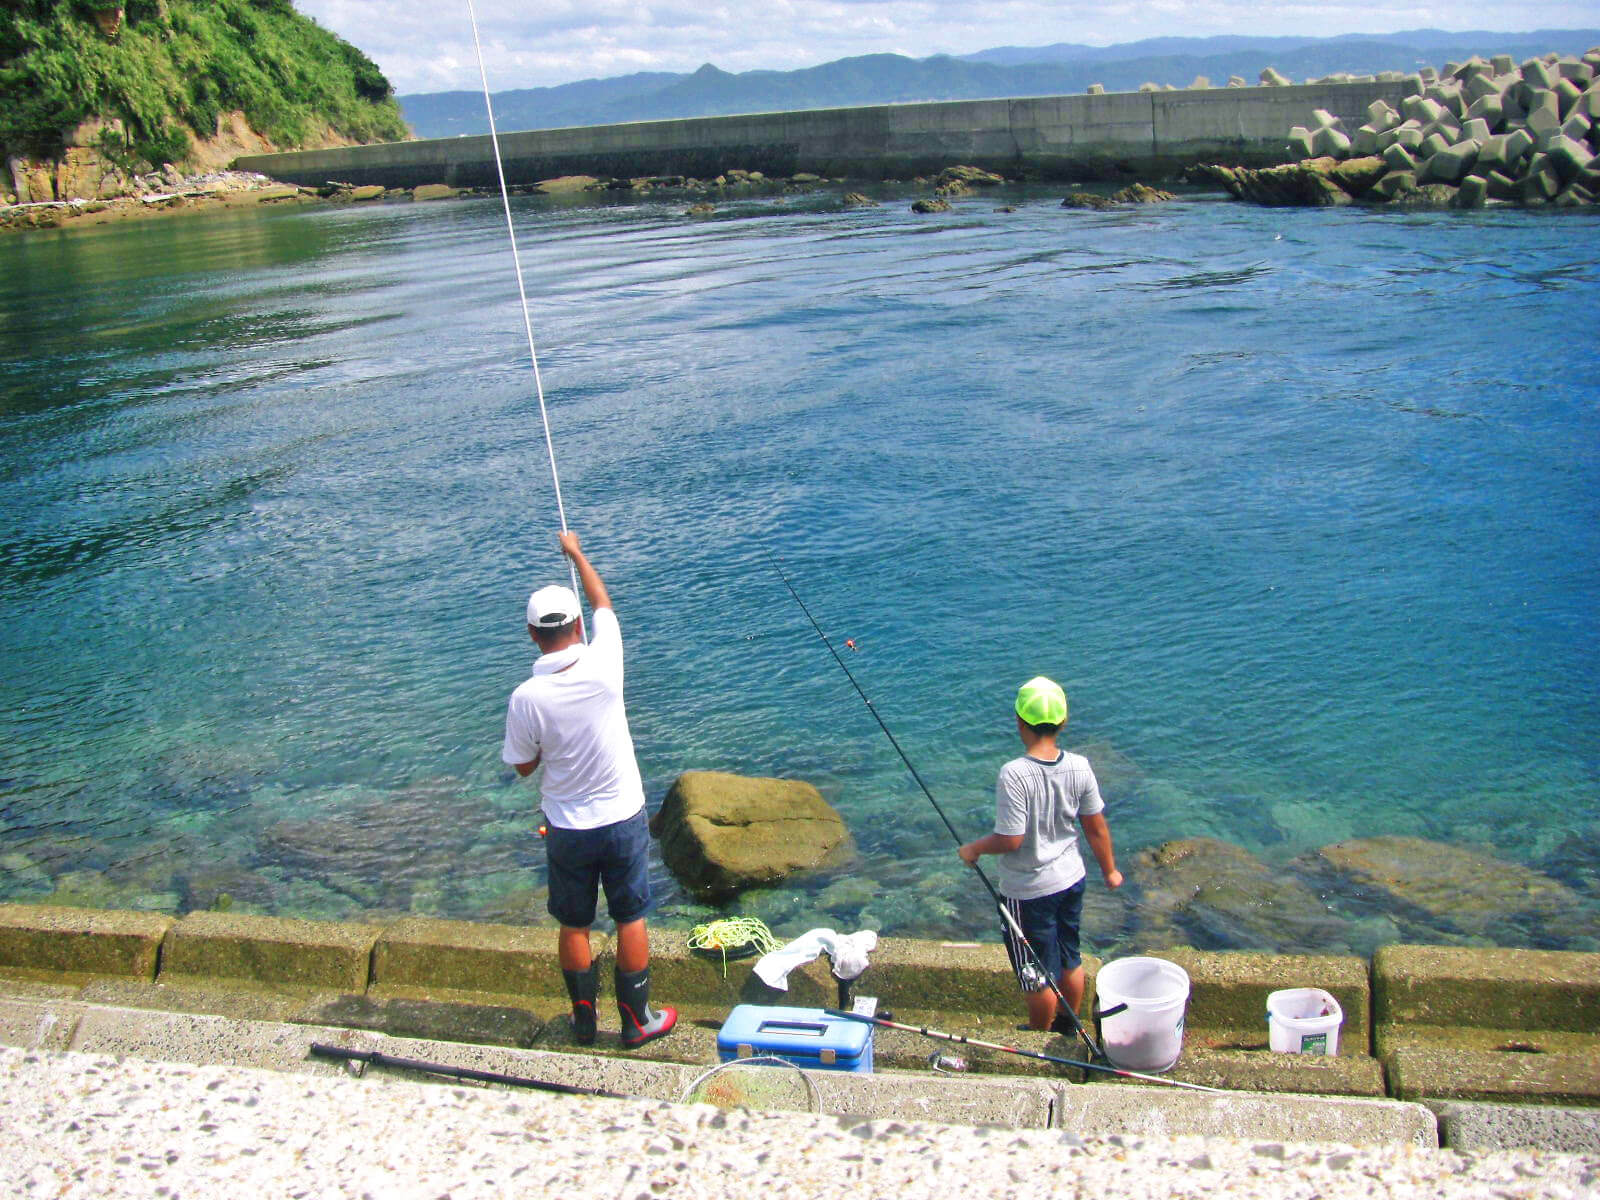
[
  {"x": 1016, "y": 930},
  {"x": 522, "y": 291}
]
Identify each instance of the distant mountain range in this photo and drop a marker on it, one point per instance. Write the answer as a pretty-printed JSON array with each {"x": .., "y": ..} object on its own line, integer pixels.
[{"x": 1060, "y": 69}]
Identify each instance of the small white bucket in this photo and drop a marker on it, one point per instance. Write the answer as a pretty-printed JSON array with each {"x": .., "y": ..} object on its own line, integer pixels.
[
  {"x": 1140, "y": 1006},
  {"x": 1303, "y": 1021}
]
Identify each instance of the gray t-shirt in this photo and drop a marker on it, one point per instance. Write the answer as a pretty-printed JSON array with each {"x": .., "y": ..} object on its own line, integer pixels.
[{"x": 1041, "y": 801}]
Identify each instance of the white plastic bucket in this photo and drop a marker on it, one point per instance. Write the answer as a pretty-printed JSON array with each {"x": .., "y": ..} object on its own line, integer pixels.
[
  {"x": 1303, "y": 1021},
  {"x": 1139, "y": 1007}
]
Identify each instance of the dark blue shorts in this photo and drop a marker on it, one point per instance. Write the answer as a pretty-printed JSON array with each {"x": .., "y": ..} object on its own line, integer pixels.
[
  {"x": 581, "y": 861},
  {"x": 1050, "y": 923}
]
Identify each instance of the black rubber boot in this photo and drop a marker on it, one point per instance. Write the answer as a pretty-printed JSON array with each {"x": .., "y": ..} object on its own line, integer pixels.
[
  {"x": 640, "y": 1022},
  {"x": 582, "y": 988}
]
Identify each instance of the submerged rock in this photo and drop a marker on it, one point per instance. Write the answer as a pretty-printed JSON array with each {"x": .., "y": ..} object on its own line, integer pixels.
[
  {"x": 94, "y": 889},
  {"x": 1214, "y": 895},
  {"x": 1431, "y": 889},
  {"x": 22, "y": 876},
  {"x": 1576, "y": 861},
  {"x": 380, "y": 851},
  {"x": 722, "y": 833},
  {"x": 930, "y": 206},
  {"x": 848, "y": 895},
  {"x": 223, "y": 887},
  {"x": 1081, "y": 199},
  {"x": 857, "y": 200}
]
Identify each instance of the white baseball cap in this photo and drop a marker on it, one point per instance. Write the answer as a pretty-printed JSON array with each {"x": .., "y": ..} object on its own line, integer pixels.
[{"x": 552, "y": 607}]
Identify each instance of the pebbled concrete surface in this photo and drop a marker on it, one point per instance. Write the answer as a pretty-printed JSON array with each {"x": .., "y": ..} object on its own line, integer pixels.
[
  {"x": 1104, "y": 1111},
  {"x": 91, "y": 1126}
]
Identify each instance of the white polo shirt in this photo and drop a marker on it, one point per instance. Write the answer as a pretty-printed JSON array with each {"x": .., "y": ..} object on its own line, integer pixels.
[{"x": 570, "y": 712}]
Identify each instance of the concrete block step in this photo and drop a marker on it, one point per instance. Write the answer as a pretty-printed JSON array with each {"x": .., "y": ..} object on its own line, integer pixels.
[
  {"x": 1471, "y": 1127},
  {"x": 1421, "y": 1071},
  {"x": 50, "y": 941}
]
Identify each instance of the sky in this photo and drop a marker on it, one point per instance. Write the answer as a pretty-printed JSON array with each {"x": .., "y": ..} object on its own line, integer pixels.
[{"x": 426, "y": 45}]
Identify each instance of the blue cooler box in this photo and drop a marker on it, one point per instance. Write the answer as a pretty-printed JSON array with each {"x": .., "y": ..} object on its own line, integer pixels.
[{"x": 807, "y": 1037}]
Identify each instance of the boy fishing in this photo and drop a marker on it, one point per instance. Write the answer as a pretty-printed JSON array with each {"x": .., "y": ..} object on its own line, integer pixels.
[{"x": 1038, "y": 796}]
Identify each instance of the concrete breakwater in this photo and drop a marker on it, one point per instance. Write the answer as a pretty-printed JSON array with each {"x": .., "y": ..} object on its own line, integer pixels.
[
  {"x": 1118, "y": 136},
  {"x": 1478, "y": 132}
]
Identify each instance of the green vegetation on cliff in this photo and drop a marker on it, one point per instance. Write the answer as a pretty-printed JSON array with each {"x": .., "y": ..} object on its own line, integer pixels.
[{"x": 162, "y": 67}]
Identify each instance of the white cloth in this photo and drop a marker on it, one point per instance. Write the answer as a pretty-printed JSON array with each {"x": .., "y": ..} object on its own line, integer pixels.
[
  {"x": 847, "y": 950},
  {"x": 570, "y": 716}
]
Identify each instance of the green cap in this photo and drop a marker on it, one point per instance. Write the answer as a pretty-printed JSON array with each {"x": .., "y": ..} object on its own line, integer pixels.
[{"x": 1041, "y": 701}]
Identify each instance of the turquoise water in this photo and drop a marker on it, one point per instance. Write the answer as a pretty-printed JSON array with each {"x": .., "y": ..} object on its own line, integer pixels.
[{"x": 1301, "y": 506}]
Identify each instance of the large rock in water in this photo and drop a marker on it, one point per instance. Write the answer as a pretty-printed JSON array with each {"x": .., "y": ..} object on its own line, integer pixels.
[
  {"x": 1214, "y": 895},
  {"x": 970, "y": 177},
  {"x": 1431, "y": 889},
  {"x": 722, "y": 833},
  {"x": 1316, "y": 182}
]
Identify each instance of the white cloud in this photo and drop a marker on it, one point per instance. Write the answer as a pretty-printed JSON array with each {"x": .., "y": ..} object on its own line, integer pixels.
[{"x": 426, "y": 45}]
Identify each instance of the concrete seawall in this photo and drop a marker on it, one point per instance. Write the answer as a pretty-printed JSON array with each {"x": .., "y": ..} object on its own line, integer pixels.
[
  {"x": 1147, "y": 135},
  {"x": 1438, "y": 1024}
]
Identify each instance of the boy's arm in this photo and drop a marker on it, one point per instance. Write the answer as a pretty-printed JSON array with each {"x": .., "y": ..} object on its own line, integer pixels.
[
  {"x": 1098, "y": 835},
  {"x": 994, "y": 843},
  {"x": 593, "y": 588},
  {"x": 1010, "y": 812}
]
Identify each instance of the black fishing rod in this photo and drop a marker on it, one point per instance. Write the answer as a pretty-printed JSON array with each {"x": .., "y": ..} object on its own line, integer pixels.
[
  {"x": 378, "y": 1059},
  {"x": 885, "y": 1023},
  {"x": 1062, "y": 1004}
]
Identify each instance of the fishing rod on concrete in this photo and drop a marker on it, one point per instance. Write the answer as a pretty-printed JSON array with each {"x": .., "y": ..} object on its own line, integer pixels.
[
  {"x": 377, "y": 1058},
  {"x": 1062, "y": 1004},
  {"x": 885, "y": 1023},
  {"x": 522, "y": 293}
]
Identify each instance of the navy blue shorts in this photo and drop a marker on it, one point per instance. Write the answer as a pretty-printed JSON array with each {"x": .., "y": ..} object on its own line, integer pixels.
[
  {"x": 583, "y": 860},
  {"x": 1050, "y": 923}
]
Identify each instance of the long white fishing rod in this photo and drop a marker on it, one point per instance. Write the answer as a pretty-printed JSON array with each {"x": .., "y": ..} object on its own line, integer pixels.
[{"x": 522, "y": 291}]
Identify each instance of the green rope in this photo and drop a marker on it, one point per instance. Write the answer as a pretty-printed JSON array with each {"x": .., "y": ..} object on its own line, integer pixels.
[{"x": 732, "y": 933}]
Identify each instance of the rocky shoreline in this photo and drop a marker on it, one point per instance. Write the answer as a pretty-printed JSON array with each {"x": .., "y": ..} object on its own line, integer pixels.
[
  {"x": 169, "y": 191},
  {"x": 164, "y": 192}
]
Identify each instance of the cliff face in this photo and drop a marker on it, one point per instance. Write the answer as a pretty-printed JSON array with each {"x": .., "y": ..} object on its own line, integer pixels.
[{"x": 93, "y": 92}]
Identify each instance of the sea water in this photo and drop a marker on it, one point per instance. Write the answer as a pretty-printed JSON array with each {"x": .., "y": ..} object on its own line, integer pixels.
[{"x": 1299, "y": 505}]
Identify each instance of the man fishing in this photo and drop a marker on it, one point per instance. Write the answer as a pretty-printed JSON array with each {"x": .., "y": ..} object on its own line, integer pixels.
[
  {"x": 1037, "y": 798},
  {"x": 569, "y": 718}
]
